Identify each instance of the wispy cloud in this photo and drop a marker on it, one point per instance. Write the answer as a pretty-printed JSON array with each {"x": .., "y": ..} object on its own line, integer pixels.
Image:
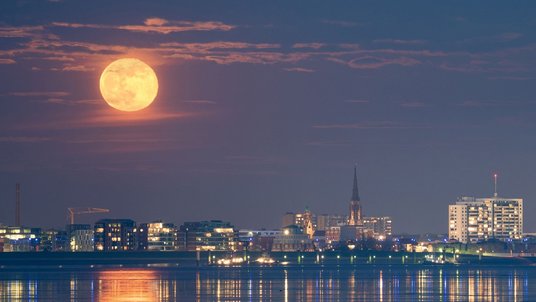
[
  {"x": 299, "y": 69},
  {"x": 7, "y": 61},
  {"x": 107, "y": 117},
  {"x": 75, "y": 68},
  {"x": 49, "y": 94},
  {"x": 512, "y": 78},
  {"x": 414, "y": 104},
  {"x": 48, "y": 49},
  {"x": 370, "y": 125},
  {"x": 371, "y": 62},
  {"x": 202, "y": 102},
  {"x": 329, "y": 143},
  {"x": 314, "y": 45},
  {"x": 341, "y": 23},
  {"x": 62, "y": 101},
  {"x": 23, "y": 139},
  {"x": 21, "y": 31},
  {"x": 499, "y": 38},
  {"x": 156, "y": 25},
  {"x": 400, "y": 41}
]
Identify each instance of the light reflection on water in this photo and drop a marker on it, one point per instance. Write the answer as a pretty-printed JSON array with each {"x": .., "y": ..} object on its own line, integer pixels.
[{"x": 379, "y": 283}]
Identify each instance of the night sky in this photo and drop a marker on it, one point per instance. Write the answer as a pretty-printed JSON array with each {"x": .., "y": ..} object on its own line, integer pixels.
[{"x": 264, "y": 107}]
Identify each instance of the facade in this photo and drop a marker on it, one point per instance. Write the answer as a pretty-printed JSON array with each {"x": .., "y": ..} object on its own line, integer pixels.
[
  {"x": 52, "y": 240},
  {"x": 333, "y": 234},
  {"x": 115, "y": 235},
  {"x": 354, "y": 233},
  {"x": 257, "y": 240},
  {"x": 288, "y": 219},
  {"x": 478, "y": 219},
  {"x": 325, "y": 221},
  {"x": 379, "y": 227},
  {"x": 307, "y": 220},
  {"x": 292, "y": 239},
  {"x": 81, "y": 237},
  {"x": 213, "y": 235},
  {"x": 160, "y": 236},
  {"x": 355, "y": 217},
  {"x": 20, "y": 239}
]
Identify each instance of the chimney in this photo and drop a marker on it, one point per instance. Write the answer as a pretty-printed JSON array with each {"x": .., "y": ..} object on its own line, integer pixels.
[{"x": 17, "y": 205}]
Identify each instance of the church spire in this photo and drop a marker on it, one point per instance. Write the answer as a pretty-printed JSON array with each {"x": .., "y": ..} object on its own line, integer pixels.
[{"x": 355, "y": 192}]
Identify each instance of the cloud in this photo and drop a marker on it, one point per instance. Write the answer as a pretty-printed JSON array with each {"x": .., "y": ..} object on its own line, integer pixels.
[
  {"x": 23, "y": 139},
  {"x": 499, "y": 38},
  {"x": 512, "y": 78},
  {"x": 299, "y": 69},
  {"x": 414, "y": 104},
  {"x": 369, "y": 125},
  {"x": 104, "y": 118},
  {"x": 207, "y": 102},
  {"x": 328, "y": 143},
  {"x": 81, "y": 68},
  {"x": 56, "y": 53},
  {"x": 155, "y": 22},
  {"x": 340, "y": 23},
  {"x": 7, "y": 61},
  {"x": 372, "y": 62},
  {"x": 314, "y": 45},
  {"x": 20, "y": 31},
  {"x": 156, "y": 25},
  {"x": 399, "y": 41},
  {"x": 61, "y": 101},
  {"x": 49, "y": 94},
  {"x": 216, "y": 46}
]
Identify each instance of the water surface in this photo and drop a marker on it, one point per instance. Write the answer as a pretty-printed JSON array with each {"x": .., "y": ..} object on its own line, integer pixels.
[{"x": 367, "y": 283}]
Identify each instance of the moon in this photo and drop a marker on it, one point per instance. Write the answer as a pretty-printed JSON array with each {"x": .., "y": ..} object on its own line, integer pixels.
[{"x": 128, "y": 84}]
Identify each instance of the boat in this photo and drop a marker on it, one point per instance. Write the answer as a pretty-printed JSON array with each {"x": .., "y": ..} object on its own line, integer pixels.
[
  {"x": 230, "y": 261},
  {"x": 265, "y": 259}
]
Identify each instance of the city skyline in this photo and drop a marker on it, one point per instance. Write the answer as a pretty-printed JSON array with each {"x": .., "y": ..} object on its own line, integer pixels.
[
  {"x": 354, "y": 217},
  {"x": 263, "y": 108}
]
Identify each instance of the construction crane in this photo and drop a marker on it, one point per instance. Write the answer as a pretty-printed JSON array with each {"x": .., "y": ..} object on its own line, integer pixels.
[{"x": 77, "y": 211}]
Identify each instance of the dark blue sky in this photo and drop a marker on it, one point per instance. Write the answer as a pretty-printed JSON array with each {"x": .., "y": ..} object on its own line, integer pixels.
[{"x": 263, "y": 108}]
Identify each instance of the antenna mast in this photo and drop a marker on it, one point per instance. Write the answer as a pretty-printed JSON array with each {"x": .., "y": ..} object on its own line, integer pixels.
[
  {"x": 495, "y": 179},
  {"x": 17, "y": 205}
]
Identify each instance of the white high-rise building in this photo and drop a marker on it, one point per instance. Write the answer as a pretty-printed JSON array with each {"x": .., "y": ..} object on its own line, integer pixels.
[{"x": 476, "y": 219}]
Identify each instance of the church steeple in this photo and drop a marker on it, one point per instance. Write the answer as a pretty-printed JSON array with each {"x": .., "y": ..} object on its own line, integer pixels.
[
  {"x": 355, "y": 217},
  {"x": 355, "y": 192}
]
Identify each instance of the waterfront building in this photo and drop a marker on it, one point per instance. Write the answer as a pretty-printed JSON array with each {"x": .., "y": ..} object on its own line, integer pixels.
[
  {"x": 289, "y": 218},
  {"x": 333, "y": 234},
  {"x": 158, "y": 236},
  {"x": 292, "y": 238},
  {"x": 213, "y": 235},
  {"x": 325, "y": 221},
  {"x": 319, "y": 240},
  {"x": 379, "y": 227},
  {"x": 354, "y": 233},
  {"x": 81, "y": 237},
  {"x": 355, "y": 217},
  {"x": 257, "y": 240},
  {"x": 306, "y": 220},
  {"x": 20, "y": 239},
  {"x": 115, "y": 235},
  {"x": 52, "y": 240},
  {"x": 478, "y": 219}
]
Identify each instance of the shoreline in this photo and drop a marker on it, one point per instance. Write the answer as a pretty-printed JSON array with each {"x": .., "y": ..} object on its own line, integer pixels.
[{"x": 291, "y": 259}]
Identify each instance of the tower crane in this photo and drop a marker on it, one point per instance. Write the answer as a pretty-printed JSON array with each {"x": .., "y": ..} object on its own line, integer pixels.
[{"x": 77, "y": 211}]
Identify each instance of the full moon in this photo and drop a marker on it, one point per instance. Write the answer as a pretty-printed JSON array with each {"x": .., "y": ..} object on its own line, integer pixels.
[{"x": 128, "y": 84}]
